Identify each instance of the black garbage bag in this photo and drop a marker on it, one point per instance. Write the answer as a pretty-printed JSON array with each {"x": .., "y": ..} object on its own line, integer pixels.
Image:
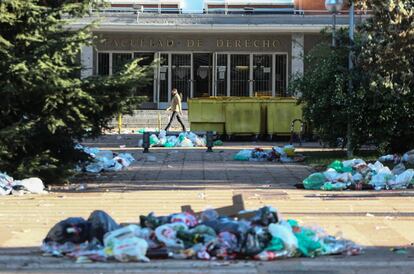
[
  {"x": 255, "y": 241},
  {"x": 265, "y": 216},
  {"x": 152, "y": 221},
  {"x": 74, "y": 230},
  {"x": 101, "y": 223}
]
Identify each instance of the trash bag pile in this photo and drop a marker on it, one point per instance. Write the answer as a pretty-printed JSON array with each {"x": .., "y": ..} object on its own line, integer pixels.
[
  {"x": 261, "y": 235},
  {"x": 356, "y": 174},
  {"x": 9, "y": 186},
  {"x": 184, "y": 139},
  {"x": 284, "y": 154},
  {"x": 104, "y": 160}
]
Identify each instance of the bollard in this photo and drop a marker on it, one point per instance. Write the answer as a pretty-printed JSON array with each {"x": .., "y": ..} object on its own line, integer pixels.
[
  {"x": 146, "y": 142},
  {"x": 119, "y": 123},
  {"x": 209, "y": 141}
]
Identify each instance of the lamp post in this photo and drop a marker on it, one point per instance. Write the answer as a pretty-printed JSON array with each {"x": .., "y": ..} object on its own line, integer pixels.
[
  {"x": 334, "y": 6},
  {"x": 350, "y": 67}
]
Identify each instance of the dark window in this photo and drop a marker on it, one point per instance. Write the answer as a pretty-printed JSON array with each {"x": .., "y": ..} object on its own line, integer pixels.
[
  {"x": 221, "y": 76},
  {"x": 281, "y": 78},
  {"x": 119, "y": 60},
  {"x": 103, "y": 63},
  {"x": 147, "y": 90}
]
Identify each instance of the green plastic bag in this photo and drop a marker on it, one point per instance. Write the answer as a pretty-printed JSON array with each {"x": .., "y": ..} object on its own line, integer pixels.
[
  {"x": 218, "y": 143},
  {"x": 308, "y": 244},
  {"x": 243, "y": 155},
  {"x": 314, "y": 182},
  {"x": 169, "y": 144},
  {"x": 333, "y": 186},
  {"x": 339, "y": 167},
  {"x": 275, "y": 244},
  {"x": 154, "y": 139}
]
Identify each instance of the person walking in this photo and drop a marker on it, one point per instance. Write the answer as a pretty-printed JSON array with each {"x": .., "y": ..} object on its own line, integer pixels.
[{"x": 176, "y": 109}]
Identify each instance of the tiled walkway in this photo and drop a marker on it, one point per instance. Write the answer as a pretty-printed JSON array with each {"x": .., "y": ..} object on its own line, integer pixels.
[{"x": 164, "y": 180}]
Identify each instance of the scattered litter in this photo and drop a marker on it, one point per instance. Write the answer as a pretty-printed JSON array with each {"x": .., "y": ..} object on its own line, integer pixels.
[
  {"x": 218, "y": 143},
  {"x": 82, "y": 187},
  {"x": 356, "y": 174},
  {"x": 284, "y": 154},
  {"x": 184, "y": 139},
  {"x": 104, "y": 160},
  {"x": 9, "y": 186},
  {"x": 399, "y": 250},
  {"x": 260, "y": 235}
]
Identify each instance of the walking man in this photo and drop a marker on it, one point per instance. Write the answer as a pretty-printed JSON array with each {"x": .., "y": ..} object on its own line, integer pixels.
[{"x": 176, "y": 109}]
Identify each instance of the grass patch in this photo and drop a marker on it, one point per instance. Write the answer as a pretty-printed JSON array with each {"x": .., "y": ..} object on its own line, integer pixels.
[{"x": 321, "y": 159}]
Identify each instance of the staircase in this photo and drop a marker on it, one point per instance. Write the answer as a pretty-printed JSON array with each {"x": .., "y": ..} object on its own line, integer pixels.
[{"x": 149, "y": 119}]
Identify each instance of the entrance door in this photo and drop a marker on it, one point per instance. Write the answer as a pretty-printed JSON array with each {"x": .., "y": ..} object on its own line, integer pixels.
[
  {"x": 262, "y": 75},
  {"x": 181, "y": 74},
  {"x": 202, "y": 73},
  {"x": 164, "y": 81},
  {"x": 240, "y": 75}
]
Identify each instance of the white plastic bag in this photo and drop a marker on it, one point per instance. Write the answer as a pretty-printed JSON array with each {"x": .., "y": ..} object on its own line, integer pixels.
[
  {"x": 186, "y": 143},
  {"x": 403, "y": 180},
  {"x": 398, "y": 169},
  {"x": 125, "y": 159},
  {"x": 104, "y": 154},
  {"x": 380, "y": 180},
  {"x": 357, "y": 177},
  {"x": 333, "y": 176},
  {"x": 279, "y": 151},
  {"x": 33, "y": 185},
  {"x": 95, "y": 167},
  {"x": 130, "y": 249},
  {"x": 283, "y": 231},
  {"x": 409, "y": 157},
  {"x": 387, "y": 158},
  {"x": 167, "y": 234},
  {"x": 353, "y": 162},
  {"x": 5, "y": 184}
]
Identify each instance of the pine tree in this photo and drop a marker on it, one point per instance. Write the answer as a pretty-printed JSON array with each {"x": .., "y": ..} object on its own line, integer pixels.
[{"x": 45, "y": 107}]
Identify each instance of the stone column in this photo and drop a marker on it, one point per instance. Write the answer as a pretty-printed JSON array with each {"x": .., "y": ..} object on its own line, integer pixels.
[
  {"x": 87, "y": 61},
  {"x": 297, "y": 53},
  {"x": 297, "y": 56}
]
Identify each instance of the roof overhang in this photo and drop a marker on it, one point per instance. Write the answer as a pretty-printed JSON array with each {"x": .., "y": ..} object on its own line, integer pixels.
[{"x": 208, "y": 28}]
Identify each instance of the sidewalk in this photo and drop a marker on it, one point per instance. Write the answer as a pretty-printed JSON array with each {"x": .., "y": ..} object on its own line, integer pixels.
[{"x": 177, "y": 177}]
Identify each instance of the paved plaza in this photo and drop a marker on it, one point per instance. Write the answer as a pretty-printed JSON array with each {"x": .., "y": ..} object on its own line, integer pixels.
[{"x": 166, "y": 179}]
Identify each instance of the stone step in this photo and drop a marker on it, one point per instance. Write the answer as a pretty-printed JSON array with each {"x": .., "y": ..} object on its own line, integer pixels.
[{"x": 148, "y": 119}]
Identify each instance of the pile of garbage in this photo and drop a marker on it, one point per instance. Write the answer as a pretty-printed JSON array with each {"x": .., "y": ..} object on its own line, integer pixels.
[
  {"x": 9, "y": 186},
  {"x": 261, "y": 235},
  {"x": 356, "y": 174},
  {"x": 284, "y": 154},
  {"x": 104, "y": 160},
  {"x": 184, "y": 139}
]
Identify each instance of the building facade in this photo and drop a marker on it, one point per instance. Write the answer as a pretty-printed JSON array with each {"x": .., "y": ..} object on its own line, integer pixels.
[{"x": 231, "y": 48}]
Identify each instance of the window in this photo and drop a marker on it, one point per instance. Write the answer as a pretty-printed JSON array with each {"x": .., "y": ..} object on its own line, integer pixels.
[
  {"x": 103, "y": 63},
  {"x": 147, "y": 90},
  {"x": 119, "y": 60},
  {"x": 280, "y": 75}
]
